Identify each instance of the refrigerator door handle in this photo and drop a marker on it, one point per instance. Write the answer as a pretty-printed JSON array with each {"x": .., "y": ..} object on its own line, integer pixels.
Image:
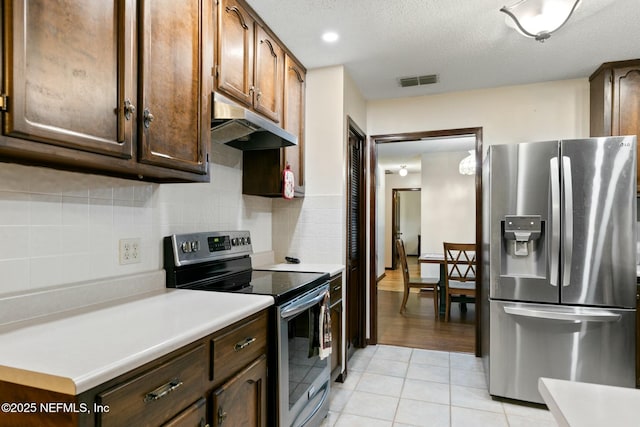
[
  {"x": 578, "y": 316},
  {"x": 554, "y": 252},
  {"x": 567, "y": 225}
]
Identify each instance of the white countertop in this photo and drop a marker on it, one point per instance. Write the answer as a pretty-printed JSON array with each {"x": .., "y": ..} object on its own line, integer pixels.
[
  {"x": 332, "y": 269},
  {"x": 579, "y": 404},
  {"x": 74, "y": 351}
]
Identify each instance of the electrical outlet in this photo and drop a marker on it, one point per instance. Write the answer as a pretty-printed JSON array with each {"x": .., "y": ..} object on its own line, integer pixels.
[{"x": 129, "y": 252}]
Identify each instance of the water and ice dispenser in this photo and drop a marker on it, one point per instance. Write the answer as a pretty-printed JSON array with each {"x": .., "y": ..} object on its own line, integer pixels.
[{"x": 523, "y": 246}]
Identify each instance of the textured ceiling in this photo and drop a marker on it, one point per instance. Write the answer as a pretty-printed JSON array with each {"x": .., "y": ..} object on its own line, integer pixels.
[{"x": 465, "y": 42}]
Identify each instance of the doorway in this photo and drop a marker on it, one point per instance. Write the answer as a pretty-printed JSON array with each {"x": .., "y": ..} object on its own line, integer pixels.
[{"x": 476, "y": 133}]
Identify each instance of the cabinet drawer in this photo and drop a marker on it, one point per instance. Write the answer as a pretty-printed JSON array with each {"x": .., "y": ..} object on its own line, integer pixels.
[
  {"x": 335, "y": 289},
  {"x": 158, "y": 395},
  {"x": 234, "y": 349}
]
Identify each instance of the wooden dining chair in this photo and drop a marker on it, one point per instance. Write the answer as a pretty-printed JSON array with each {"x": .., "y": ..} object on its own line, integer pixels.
[
  {"x": 423, "y": 283},
  {"x": 460, "y": 274}
]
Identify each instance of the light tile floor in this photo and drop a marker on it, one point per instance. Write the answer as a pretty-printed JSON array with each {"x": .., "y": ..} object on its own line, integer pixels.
[{"x": 398, "y": 386}]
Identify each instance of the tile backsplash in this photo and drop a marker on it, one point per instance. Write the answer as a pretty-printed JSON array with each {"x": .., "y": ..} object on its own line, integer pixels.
[
  {"x": 58, "y": 227},
  {"x": 311, "y": 229}
]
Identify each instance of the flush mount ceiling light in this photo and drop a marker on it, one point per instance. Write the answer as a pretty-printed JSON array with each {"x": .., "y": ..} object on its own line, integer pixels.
[
  {"x": 467, "y": 165},
  {"x": 538, "y": 19},
  {"x": 403, "y": 170},
  {"x": 330, "y": 37}
]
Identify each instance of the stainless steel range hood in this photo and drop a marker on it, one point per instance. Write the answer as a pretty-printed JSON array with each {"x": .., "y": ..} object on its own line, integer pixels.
[{"x": 238, "y": 127}]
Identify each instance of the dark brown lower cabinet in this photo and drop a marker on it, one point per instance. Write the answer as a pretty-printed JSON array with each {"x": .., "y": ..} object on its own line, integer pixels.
[
  {"x": 241, "y": 401},
  {"x": 335, "y": 301},
  {"x": 169, "y": 391},
  {"x": 194, "y": 416}
]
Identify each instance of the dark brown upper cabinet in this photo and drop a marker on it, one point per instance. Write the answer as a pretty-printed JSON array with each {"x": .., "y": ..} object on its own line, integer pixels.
[
  {"x": 293, "y": 119},
  {"x": 108, "y": 87},
  {"x": 68, "y": 74},
  {"x": 173, "y": 118},
  {"x": 263, "y": 169},
  {"x": 615, "y": 100},
  {"x": 249, "y": 60}
]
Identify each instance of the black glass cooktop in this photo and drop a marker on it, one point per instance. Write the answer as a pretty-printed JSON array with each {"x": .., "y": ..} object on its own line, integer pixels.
[{"x": 282, "y": 285}]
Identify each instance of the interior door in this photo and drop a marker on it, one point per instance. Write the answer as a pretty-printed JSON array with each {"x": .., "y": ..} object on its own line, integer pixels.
[
  {"x": 356, "y": 254},
  {"x": 395, "y": 227}
]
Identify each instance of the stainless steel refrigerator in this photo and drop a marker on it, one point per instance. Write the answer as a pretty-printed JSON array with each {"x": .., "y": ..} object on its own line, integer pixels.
[{"x": 559, "y": 264}]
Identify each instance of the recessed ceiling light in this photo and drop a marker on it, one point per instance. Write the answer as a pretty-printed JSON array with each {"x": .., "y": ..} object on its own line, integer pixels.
[{"x": 330, "y": 37}]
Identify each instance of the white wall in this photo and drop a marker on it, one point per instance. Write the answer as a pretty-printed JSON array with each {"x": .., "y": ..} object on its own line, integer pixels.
[
  {"x": 60, "y": 227},
  {"x": 448, "y": 201},
  {"x": 509, "y": 114},
  {"x": 412, "y": 180}
]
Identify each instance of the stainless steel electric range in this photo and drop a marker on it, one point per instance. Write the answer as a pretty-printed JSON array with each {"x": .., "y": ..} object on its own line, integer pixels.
[{"x": 221, "y": 262}]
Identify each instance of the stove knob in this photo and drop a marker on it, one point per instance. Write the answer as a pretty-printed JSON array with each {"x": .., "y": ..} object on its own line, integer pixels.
[
  {"x": 242, "y": 240},
  {"x": 186, "y": 247},
  {"x": 248, "y": 240},
  {"x": 234, "y": 241},
  {"x": 195, "y": 246}
]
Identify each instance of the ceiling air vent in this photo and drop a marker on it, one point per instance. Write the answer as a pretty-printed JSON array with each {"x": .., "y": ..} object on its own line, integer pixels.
[{"x": 418, "y": 80}]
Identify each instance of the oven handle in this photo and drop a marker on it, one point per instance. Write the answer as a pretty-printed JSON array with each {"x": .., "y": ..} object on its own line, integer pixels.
[
  {"x": 303, "y": 303},
  {"x": 325, "y": 394}
]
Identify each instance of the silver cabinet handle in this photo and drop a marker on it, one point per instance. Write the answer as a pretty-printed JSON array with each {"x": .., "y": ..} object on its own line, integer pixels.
[
  {"x": 163, "y": 390},
  {"x": 244, "y": 343},
  {"x": 568, "y": 220}
]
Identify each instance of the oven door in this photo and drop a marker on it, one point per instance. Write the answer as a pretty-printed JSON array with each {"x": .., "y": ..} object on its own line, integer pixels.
[{"x": 303, "y": 377}]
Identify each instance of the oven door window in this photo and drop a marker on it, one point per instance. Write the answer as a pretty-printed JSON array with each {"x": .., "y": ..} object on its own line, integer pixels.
[{"x": 304, "y": 364}]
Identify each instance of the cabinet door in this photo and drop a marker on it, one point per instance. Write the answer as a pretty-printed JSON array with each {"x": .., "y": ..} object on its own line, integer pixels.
[
  {"x": 242, "y": 401},
  {"x": 269, "y": 66},
  {"x": 173, "y": 119},
  {"x": 194, "y": 416},
  {"x": 234, "y": 55},
  {"x": 293, "y": 118},
  {"x": 626, "y": 103},
  {"x": 69, "y": 73}
]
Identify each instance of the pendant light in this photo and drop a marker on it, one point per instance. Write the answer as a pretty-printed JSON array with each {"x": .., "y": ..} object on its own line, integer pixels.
[
  {"x": 538, "y": 19},
  {"x": 467, "y": 165}
]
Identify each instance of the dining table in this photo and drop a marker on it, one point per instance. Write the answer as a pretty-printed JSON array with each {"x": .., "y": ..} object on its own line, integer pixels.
[{"x": 436, "y": 258}]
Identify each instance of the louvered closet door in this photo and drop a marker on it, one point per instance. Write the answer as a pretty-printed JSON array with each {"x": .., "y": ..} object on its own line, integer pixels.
[{"x": 356, "y": 254}]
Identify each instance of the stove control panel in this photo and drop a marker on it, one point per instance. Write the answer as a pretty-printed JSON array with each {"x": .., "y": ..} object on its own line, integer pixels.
[{"x": 193, "y": 248}]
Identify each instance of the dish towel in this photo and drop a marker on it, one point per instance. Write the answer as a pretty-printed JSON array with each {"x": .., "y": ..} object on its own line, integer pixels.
[
  {"x": 325, "y": 328},
  {"x": 320, "y": 329}
]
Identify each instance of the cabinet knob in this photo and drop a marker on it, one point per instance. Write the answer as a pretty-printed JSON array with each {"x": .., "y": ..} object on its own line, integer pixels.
[
  {"x": 222, "y": 416},
  {"x": 148, "y": 118},
  {"x": 129, "y": 109}
]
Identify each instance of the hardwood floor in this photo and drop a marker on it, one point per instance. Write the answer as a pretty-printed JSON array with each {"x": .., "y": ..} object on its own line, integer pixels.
[{"x": 418, "y": 327}]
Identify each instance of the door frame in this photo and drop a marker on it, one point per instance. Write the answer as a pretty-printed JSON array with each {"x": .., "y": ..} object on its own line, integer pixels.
[
  {"x": 395, "y": 221},
  {"x": 373, "y": 162}
]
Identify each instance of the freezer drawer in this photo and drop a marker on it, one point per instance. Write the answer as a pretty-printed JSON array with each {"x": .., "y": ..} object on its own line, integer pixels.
[{"x": 529, "y": 341}]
